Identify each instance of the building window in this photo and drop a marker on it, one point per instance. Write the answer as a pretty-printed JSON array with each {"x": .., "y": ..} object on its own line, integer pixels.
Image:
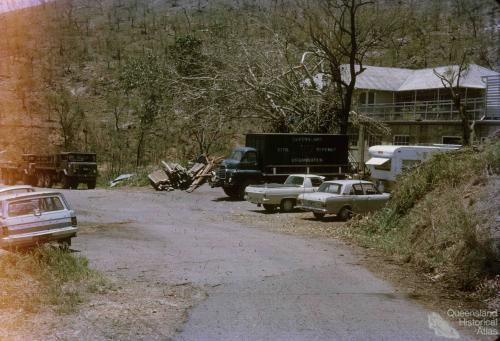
[
  {"x": 401, "y": 140},
  {"x": 452, "y": 140},
  {"x": 366, "y": 98},
  {"x": 374, "y": 140}
]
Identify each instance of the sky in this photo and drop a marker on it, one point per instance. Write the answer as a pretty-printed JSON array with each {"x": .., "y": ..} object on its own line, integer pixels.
[{"x": 10, "y": 5}]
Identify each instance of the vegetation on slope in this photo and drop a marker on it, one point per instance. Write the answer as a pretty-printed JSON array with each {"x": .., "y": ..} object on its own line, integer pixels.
[
  {"x": 46, "y": 277},
  {"x": 442, "y": 218}
]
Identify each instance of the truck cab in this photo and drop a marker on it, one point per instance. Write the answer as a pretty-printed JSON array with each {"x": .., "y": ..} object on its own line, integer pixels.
[
  {"x": 76, "y": 168},
  {"x": 242, "y": 163}
]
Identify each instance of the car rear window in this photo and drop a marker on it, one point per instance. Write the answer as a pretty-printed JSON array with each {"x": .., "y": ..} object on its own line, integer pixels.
[
  {"x": 316, "y": 182},
  {"x": 294, "y": 180},
  {"x": 28, "y": 206},
  {"x": 330, "y": 188},
  {"x": 23, "y": 207}
]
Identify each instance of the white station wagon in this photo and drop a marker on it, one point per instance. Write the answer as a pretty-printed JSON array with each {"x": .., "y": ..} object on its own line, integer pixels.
[
  {"x": 9, "y": 190},
  {"x": 29, "y": 219},
  {"x": 343, "y": 198}
]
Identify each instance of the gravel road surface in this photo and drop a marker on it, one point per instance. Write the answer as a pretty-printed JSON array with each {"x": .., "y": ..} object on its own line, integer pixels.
[{"x": 248, "y": 283}]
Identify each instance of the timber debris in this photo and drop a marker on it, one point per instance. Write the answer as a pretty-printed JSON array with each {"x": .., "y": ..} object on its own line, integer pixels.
[{"x": 173, "y": 176}]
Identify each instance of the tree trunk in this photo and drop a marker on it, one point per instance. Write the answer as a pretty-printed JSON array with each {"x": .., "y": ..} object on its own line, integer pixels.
[{"x": 466, "y": 128}]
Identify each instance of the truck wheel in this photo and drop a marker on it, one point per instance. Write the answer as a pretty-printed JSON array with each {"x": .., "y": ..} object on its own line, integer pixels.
[
  {"x": 66, "y": 182},
  {"x": 345, "y": 213},
  {"x": 269, "y": 208},
  {"x": 40, "y": 180},
  {"x": 6, "y": 178},
  {"x": 319, "y": 216},
  {"x": 230, "y": 192},
  {"x": 48, "y": 181},
  {"x": 287, "y": 205},
  {"x": 91, "y": 184}
]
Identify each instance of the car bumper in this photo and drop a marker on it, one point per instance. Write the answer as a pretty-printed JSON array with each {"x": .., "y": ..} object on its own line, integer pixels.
[
  {"x": 39, "y": 237},
  {"x": 258, "y": 200},
  {"x": 313, "y": 209}
]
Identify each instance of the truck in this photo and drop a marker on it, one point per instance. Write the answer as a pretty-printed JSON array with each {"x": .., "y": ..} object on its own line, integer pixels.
[
  {"x": 67, "y": 168},
  {"x": 388, "y": 161},
  {"x": 273, "y": 157},
  {"x": 284, "y": 196}
]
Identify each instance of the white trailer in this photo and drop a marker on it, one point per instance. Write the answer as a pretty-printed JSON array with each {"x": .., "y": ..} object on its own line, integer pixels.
[{"x": 388, "y": 161}]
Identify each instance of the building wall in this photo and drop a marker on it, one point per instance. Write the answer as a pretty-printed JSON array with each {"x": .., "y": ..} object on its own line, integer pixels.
[{"x": 421, "y": 133}]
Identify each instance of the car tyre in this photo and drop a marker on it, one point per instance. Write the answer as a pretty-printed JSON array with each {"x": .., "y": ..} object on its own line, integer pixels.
[
  {"x": 65, "y": 244},
  {"x": 269, "y": 208},
  {"x": 319, "y": 216},
  {"x": 345, "y": 213},
  {"x": 287, "y": 205}
]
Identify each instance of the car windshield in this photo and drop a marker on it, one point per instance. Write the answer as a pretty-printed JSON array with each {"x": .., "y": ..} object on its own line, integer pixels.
[
  {"x": 237, "y": 155},
  {"x": 294, "y": 180},
  {"x": 330, "y": 188}
]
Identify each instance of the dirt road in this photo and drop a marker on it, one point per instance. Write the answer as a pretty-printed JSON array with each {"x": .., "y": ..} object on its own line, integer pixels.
[{"x": 245, "y": 282}]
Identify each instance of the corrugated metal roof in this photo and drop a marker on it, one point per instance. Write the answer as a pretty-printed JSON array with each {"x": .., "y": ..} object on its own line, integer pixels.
[{"x": 398, "y": 79}]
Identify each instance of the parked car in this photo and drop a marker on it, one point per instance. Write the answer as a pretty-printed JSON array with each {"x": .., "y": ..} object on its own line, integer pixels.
[
  {"x": 29, "y": 219},
  {"x": 343, "y": 198},
  {"x": 9, "y": 190},
  {"x": 284, "y": 196}
]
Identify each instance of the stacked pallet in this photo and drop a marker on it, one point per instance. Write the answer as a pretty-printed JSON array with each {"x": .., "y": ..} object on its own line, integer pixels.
[{"x": 173, "y": 176}]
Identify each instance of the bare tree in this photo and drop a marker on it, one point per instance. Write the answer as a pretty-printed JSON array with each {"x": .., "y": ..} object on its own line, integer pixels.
[
  {"x": 343, "y": 33},
  {"x": 451, "y": 79}
]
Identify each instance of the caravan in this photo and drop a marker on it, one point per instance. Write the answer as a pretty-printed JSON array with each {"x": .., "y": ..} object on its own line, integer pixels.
[{"x": 388, "y": 161}]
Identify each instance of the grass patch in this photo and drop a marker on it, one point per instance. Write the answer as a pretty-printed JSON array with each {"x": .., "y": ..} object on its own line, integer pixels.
[
  {"x": 46, "y": 276},
  {"x": 441, "y": 218}
]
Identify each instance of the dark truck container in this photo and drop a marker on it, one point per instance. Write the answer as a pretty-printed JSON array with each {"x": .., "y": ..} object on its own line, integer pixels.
[
  {"x": 67, "y": 168},
  {"x": 272, "y": 157}
]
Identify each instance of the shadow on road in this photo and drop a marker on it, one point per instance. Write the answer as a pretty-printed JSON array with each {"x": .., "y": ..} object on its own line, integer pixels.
[
  {"x": 328, "y": 219},
  {"x": 226, "y": 199}
]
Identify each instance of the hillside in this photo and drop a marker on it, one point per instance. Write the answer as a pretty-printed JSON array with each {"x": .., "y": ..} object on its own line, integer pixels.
[{"x": 72, "y": 73}]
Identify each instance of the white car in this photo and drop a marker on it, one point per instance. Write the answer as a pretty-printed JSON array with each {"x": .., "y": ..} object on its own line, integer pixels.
[
  {"x": 29, "y": 219},
  {"x": 9, "y": 190},
  {"x": 284, "y": 196},
  {"x": 343, "y": 198}
]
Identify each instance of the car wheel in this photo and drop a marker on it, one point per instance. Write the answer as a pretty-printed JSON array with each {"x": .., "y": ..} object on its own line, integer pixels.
[
  {"x": 319, "y": 216},
  {"x": 287, "y": 205},
  {"x": 345, "y": 213},
  {"x": 65, "y": 244},
  {"x": 269, "y": 208}
]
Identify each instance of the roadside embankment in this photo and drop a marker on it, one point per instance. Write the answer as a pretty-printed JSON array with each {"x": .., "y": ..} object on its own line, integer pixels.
[{"x": 443, "y": 219}]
